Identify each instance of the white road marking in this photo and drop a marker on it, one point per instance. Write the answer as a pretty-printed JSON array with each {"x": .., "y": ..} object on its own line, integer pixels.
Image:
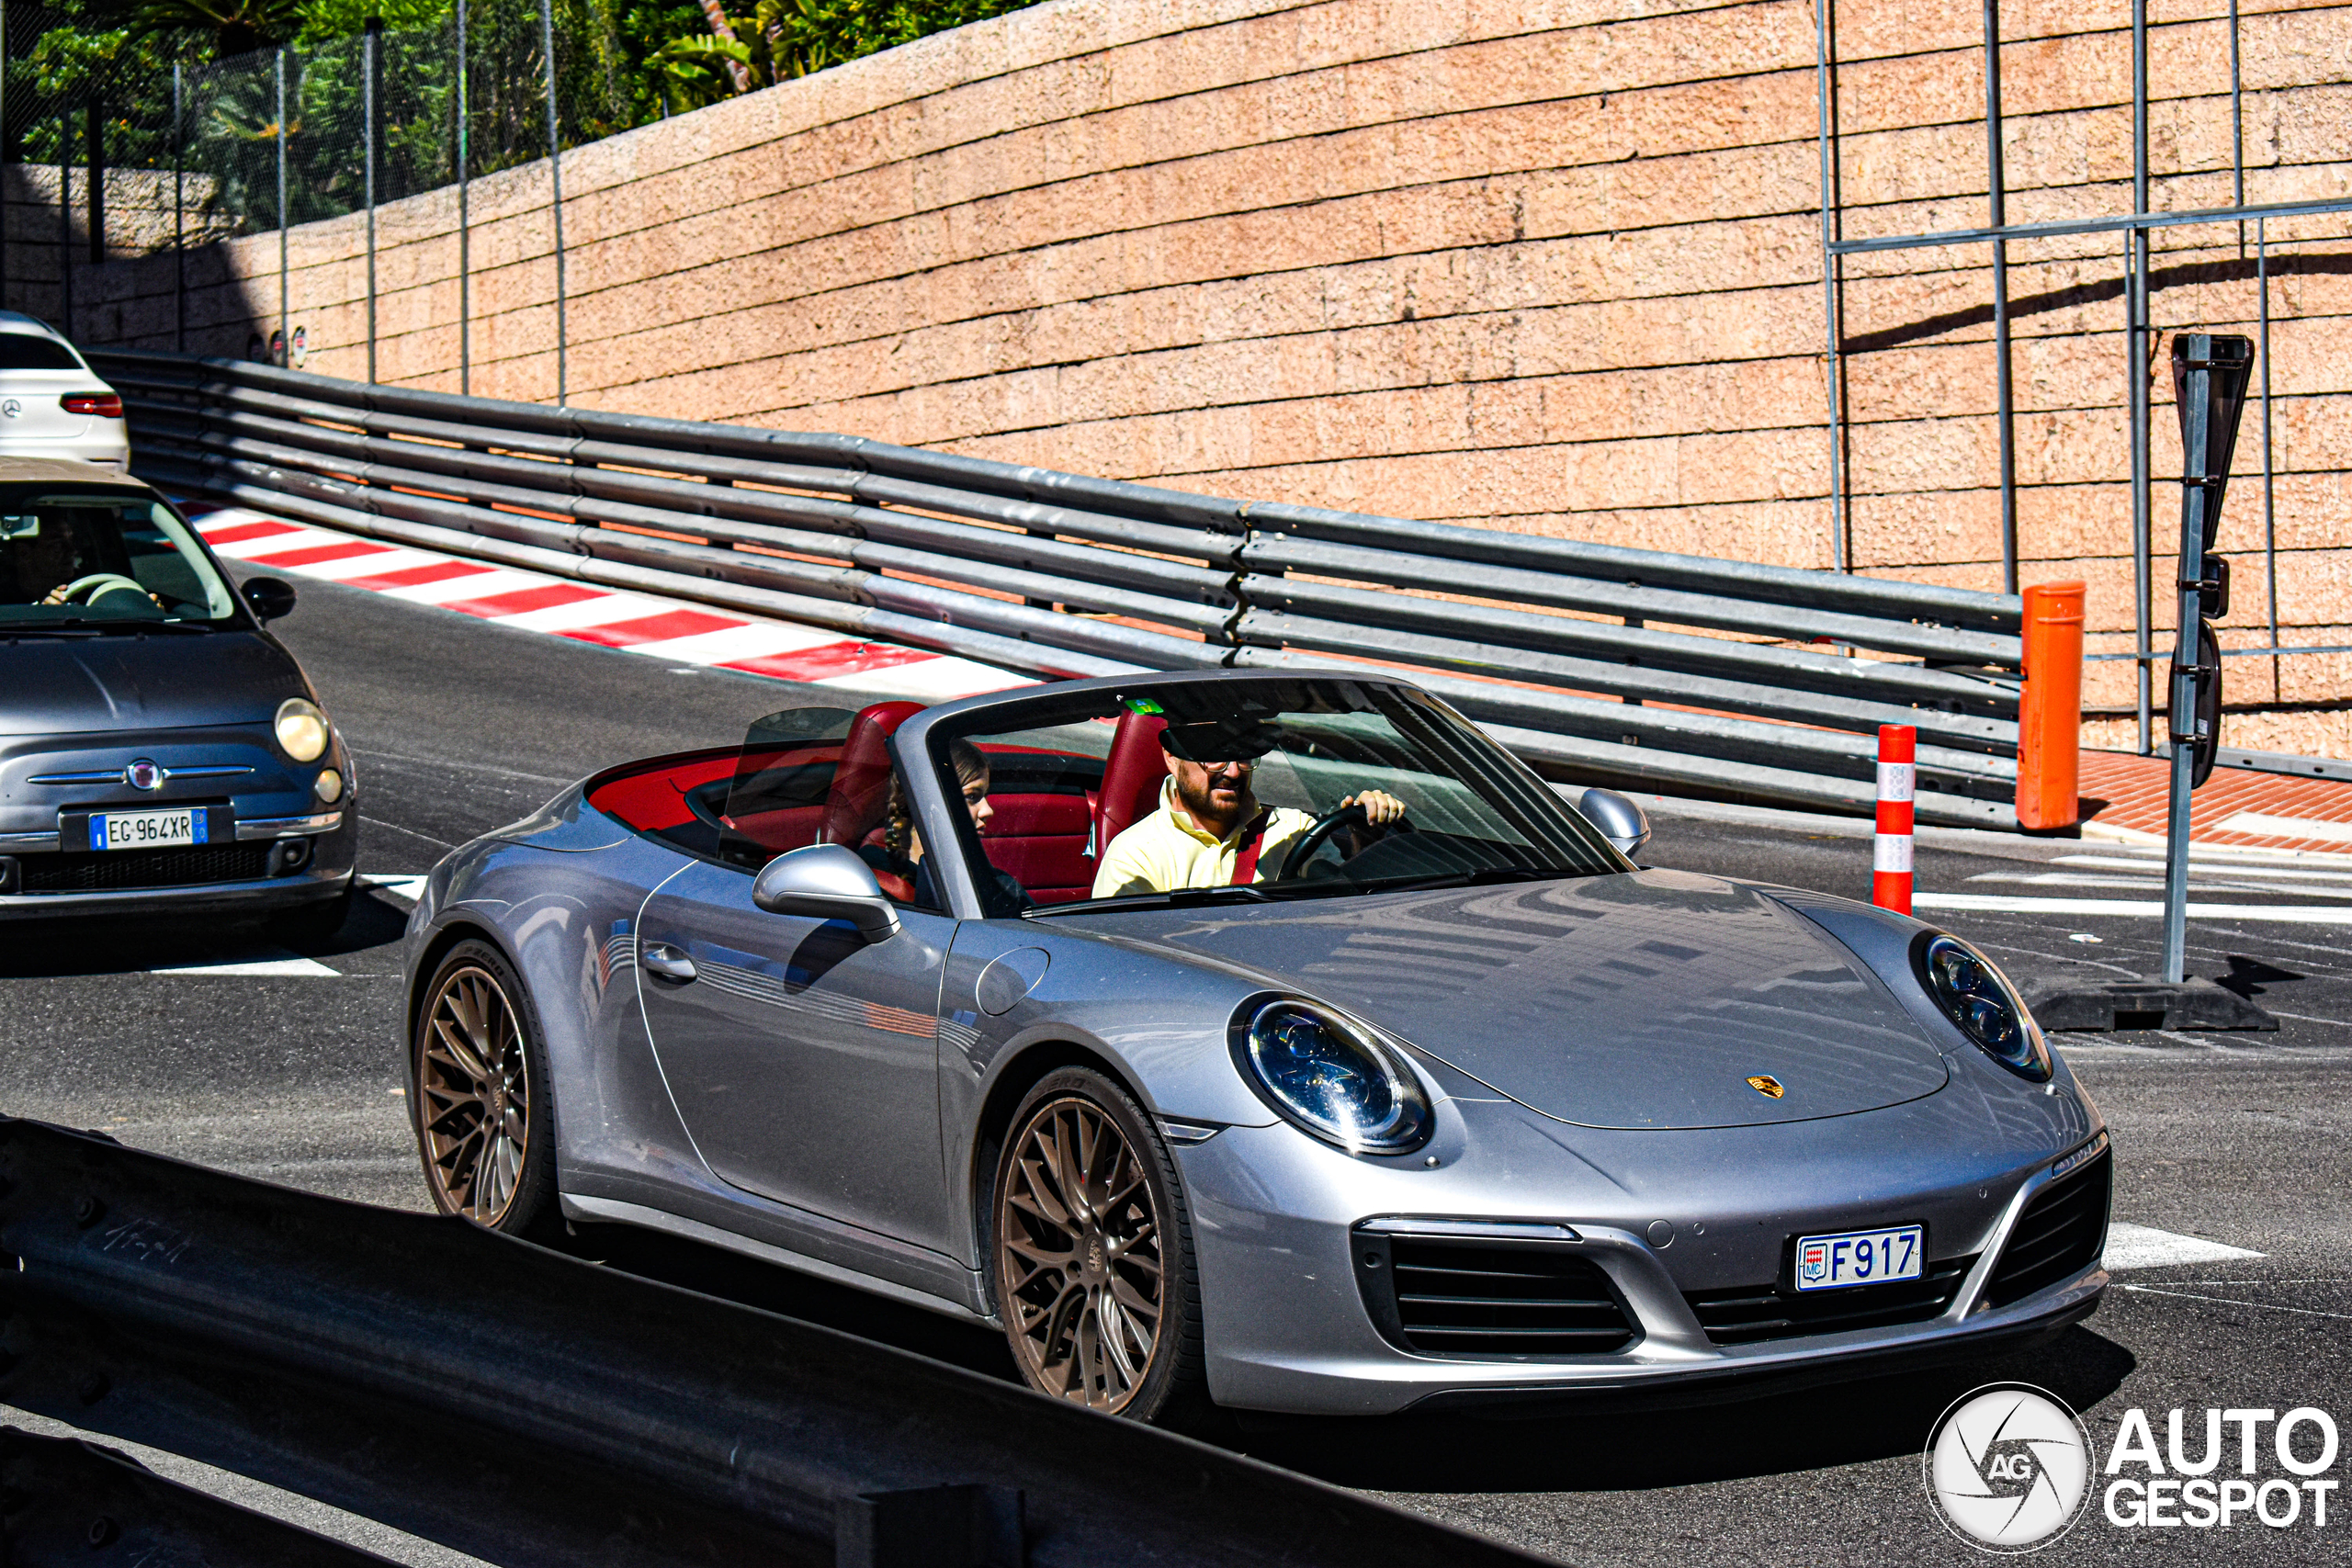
[
  {"x": 601, "y": 610},
  {"x": 469, "y": 585},
  {"x": 289, "y": 967},
  {"x": 752, "y": 641},
  {"x": 393, "y": 558},
  {"x": 2256, "y": 824},
  {"x": 2139, "y": 1247},
  {"x": 2125, "y": 863},
  {"x": 2231, "y": 1301},
  {"x": 2147, "y": 909},
  {"x": 941, "y": 679},
  {"x": 2207, "y": 881},
  {"x": 410, "y": 888}
]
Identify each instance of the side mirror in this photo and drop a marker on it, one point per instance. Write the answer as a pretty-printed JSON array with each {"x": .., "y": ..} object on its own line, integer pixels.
[
  {"x": 270, "y": 597},
  {"x": 1620, "y": 821},
  {"x": 826, "y": 882}
]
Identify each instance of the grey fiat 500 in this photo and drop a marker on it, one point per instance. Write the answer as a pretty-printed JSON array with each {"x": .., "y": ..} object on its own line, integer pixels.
[
  {"x": 1270, "y": 1039},
  {"x": 159, "y": 752}
]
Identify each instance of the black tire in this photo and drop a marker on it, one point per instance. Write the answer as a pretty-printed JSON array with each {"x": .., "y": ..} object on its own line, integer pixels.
[
  {"x": 476, "y": 1040},
  {"x": 1070, "y": 1279}
]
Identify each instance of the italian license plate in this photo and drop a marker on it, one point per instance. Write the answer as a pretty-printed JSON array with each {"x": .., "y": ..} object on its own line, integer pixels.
[
  {"x": 1861, "y": 1258},
  {"x": 147, "y": 829}
]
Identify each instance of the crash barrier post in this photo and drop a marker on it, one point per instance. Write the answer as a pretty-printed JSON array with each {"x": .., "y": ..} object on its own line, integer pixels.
[
  {"x": 1891, "y": 851},
  {"x": 1658, "y": 671},
  {"x": 529, "y": 1408},
  {"x": 2050, "y": 710}
]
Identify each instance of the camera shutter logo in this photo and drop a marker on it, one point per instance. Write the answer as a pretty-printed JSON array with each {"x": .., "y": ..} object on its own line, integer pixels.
[{"x": 2009, "y": 1468}]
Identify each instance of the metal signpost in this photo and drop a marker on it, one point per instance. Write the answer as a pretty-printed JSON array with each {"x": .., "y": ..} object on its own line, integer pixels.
[{"x": 2209, "y": 377}]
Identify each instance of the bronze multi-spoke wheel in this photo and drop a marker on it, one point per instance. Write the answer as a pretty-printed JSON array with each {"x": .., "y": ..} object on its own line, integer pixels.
[
  {"x": 477, "y": 1094},
  {"x": 1093, "y": 1269}
]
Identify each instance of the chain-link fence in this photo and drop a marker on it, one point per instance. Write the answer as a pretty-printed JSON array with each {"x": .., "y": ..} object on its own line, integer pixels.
[{"x": 132, "y": 173}]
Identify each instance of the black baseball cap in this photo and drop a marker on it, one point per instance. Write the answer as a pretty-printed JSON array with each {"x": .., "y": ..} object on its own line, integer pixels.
[{"x": 1221, "y": 739}]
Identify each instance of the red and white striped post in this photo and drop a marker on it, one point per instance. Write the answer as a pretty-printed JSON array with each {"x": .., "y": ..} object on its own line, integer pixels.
[{"x": 1891, "y": 859}]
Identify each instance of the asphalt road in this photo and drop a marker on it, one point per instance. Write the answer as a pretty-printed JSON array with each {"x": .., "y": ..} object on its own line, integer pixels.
[{"x": 217, "y": 1046}]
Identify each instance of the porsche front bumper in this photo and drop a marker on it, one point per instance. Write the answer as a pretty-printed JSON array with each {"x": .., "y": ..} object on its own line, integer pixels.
[{"x": 1294, "y": 1322}]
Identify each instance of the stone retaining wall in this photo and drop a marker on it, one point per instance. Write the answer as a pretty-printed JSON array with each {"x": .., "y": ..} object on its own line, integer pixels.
[{"x": 1550, "y": 266}]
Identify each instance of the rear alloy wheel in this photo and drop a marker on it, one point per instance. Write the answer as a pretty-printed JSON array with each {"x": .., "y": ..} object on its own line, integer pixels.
[
  {"x": 1093, "y": 1258},
  {"x": 479, "y": 1093}
]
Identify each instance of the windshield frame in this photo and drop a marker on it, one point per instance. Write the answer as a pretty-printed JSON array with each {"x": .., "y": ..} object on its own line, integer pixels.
[
  {"x": 920, "y": 747},
  {"x": 176, "y": 525}
]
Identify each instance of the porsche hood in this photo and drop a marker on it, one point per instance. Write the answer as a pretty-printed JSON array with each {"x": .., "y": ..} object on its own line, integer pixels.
[{"x": 1647, "y": 1000}]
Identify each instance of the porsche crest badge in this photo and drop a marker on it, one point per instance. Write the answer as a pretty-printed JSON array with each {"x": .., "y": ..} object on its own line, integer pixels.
[{"x": 1767, "y": 1086}]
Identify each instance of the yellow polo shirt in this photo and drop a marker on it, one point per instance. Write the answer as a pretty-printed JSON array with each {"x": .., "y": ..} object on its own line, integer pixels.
[{"x": 1166, "y": 850}]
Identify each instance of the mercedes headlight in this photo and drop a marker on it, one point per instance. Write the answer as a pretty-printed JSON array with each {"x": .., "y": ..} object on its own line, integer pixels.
[
  {"x": 1978, "y": 999},
  {"x": 1330, "y": 1078},
  {"x": 301, "y": 729}
]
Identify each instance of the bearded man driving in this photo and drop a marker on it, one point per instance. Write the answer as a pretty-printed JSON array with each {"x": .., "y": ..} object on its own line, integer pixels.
[{"x": 1209, "y": 830}]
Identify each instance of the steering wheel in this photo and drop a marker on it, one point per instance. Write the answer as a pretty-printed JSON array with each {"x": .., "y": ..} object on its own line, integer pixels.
[
  {"x": 97, "y": 585},
  {"x": 1321, "y": 828}
]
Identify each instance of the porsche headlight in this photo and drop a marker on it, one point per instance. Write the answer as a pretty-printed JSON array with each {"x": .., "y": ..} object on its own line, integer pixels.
[
  {"x": 1327, "y": 1078},
  {"x": 1978, "y": 999},
  {"x": 301, "y": 729}
]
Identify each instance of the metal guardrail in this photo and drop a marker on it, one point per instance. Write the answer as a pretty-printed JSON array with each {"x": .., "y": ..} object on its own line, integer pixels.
[
  {"x": 74, "y": 1504},
  {"x": 530, "y": 1409},
  {"x": 1561, "y": 644}
]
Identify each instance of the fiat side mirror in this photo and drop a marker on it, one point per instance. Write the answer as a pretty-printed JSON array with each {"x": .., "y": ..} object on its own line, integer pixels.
[
  {"x": 270, "y": 597},
  {"x": 1620, "y": 821},
  {"x": 826, "y": 882}
]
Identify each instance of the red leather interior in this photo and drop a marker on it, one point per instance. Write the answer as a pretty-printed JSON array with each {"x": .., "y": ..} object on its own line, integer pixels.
[
  {"x": 860, "y": 791},
  {"x": 656, "y": 798},
  {"x": 1131, "y": 778},
  {"x": 1039, "y": 841}
]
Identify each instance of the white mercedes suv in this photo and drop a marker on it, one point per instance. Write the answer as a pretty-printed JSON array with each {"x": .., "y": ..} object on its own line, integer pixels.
[{"x": 52, "y": 403}]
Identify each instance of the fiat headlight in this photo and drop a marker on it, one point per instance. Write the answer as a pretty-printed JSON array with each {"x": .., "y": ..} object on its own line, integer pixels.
[
  {"x": 1978, "y": 999},
  {"x": 1329, "y": 1078},
  {"x": 301, "y": 729}
]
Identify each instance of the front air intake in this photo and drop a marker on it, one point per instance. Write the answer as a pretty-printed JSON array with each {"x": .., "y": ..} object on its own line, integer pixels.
[
  {"x": 1743, "y": 1316},
  {"x": 1480, "y": 1297},
  {"x": 2058, "y": 1237}
]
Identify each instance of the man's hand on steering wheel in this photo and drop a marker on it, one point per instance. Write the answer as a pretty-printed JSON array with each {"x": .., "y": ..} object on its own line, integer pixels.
[{"x": 1352, "y": 826}]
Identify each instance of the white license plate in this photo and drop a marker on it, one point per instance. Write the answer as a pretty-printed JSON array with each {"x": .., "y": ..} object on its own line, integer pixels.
[
  {"x": 1861, "y": 1258},
  {"x": 146, "y": 829}
]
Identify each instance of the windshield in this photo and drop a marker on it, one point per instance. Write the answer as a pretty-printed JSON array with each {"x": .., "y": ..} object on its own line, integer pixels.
[
  {"x": 1244, "y": 790},
  {"x": 98, "y": 560}
]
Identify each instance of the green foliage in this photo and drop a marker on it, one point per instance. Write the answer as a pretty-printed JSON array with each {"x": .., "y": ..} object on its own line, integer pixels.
[
  {"x": 619, "y": 63},
  {"x": 782, "y": 38}
]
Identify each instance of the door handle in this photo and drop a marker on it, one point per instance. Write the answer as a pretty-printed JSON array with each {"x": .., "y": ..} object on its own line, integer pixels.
[{"x": 666, "y": 961}]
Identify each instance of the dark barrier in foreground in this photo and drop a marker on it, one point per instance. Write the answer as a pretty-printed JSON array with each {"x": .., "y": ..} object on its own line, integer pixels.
[
  {"x": 531, "y": 1409},
  {"x": 65, "y": 1504},
  {"x": 1669, "y": 672}
]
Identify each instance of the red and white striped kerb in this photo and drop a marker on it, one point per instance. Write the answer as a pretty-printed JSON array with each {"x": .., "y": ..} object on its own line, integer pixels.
[{"x": 1898, "y": 776}]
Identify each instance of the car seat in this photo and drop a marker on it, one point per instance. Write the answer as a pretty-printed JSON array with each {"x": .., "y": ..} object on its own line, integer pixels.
[
  {"x": 860, "y": 793},
  {"x": 1132, "y": 777}
]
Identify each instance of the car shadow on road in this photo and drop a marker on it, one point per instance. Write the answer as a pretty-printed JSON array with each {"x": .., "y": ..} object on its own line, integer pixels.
[
  {"x": 113, "y": 945},
  {"x": 747, "y": 1281},
  {"x": 1622, "y": 1450}
]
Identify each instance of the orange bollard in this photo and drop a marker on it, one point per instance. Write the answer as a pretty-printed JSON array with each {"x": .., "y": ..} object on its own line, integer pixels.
[{"x": 2050, "y": 712}]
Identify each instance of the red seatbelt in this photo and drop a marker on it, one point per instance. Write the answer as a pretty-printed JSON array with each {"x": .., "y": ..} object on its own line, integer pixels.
[{"x": 1254, "y": 837}]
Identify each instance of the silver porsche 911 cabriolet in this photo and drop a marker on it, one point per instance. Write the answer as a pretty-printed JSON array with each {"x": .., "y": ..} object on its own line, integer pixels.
[{"x": 1273, "y": 1040}]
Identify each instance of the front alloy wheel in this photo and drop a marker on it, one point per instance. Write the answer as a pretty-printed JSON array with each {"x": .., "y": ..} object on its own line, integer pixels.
[
  {"x": 1094, "y": 1268},
  {"x": 477, "y": 1093}
]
